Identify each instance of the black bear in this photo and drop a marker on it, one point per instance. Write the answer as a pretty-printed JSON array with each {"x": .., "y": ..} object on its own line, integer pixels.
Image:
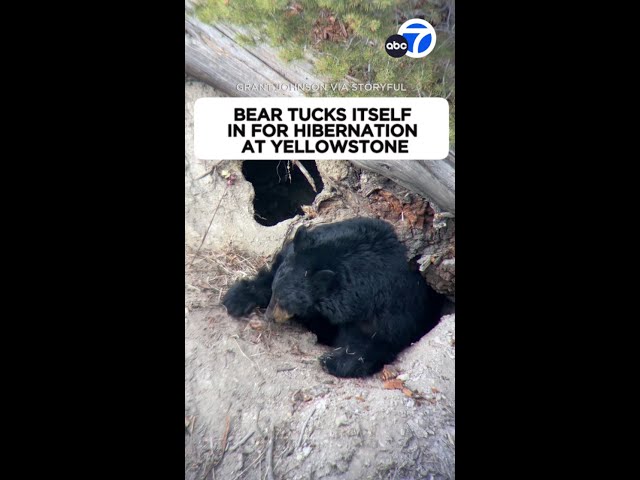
[{"x": 348, "y": 282}]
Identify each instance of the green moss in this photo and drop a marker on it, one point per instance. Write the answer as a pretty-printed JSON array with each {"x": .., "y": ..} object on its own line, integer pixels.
[{"x": 294, "y": 26}]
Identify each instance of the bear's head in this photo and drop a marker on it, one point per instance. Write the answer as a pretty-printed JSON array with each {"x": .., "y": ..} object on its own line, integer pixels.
[{"x": 300, "y": 281}]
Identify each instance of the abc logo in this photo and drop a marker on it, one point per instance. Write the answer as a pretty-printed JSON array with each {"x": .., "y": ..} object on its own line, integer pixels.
[
  {"x": 396, "y": 46},
  {"x": 416, "y": 38}
]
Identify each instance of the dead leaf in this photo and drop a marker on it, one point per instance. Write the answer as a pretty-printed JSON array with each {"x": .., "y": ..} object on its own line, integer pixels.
[
  {"x": 359, "y": 398},
  {"x": 393, "y": 384},
  {"x": 388, "y": 373},
  {"x": 327, "y": 27},
  {"x": 407, "y": 392}
]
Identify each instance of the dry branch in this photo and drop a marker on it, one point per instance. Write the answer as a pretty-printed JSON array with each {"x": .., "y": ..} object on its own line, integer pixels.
[
  {"x": 304, "y": 427},
  {"x": 242, "y": 441},
  {"x": 306, "y": 174}
]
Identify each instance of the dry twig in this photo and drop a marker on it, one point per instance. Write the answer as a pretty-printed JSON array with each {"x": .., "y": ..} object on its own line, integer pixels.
[
  {"x": 285, "y": 369},
  {"x": 244, "y": 354},
  {"x": 225, "y": 435},
  {"x": 204, "y": 237},
  {"x": 304, "y": 427},
  {"x": 251, "y": 465},
  {"x": 304, "y": 171},
  {"x": 242, "y": 441}
]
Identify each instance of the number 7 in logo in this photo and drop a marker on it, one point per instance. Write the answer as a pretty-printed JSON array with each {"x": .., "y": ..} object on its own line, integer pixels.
[{"x": 420, "y": 35}]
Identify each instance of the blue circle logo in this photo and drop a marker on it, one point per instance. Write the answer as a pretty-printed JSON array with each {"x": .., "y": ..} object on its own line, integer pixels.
[{"x": 420, "y": 35}]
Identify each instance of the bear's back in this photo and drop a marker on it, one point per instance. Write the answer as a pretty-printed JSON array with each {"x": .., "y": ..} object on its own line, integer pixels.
[{"x": 356, "y": 236}]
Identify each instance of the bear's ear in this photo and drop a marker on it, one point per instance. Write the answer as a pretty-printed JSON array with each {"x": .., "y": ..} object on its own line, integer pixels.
[
  {"x": 323, "y": 281},
  {"x": 301, "y": 239}
]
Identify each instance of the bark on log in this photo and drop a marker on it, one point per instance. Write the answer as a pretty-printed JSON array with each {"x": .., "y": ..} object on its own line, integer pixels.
[
  {"x": 433, "y": 179},
  {"x": 421, "y": 226},
  {"x": 212, "y": 56}
]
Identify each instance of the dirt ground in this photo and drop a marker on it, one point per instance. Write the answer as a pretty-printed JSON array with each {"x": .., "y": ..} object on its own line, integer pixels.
[{"x": 246, "y": 376}]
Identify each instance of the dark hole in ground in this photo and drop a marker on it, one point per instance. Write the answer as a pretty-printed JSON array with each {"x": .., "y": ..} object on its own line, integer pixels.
[{"x": 281, "y": 188}]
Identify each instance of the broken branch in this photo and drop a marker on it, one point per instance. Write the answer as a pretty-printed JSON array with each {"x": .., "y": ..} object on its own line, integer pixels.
[
  {"x": 306, "y": 174},
  {"x": 242, "y": 441}
]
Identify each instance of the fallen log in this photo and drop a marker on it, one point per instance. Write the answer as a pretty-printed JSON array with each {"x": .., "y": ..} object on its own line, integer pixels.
[{"x": 433, "y": 179}]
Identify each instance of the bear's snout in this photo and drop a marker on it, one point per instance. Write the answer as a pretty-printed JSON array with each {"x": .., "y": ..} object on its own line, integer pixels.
[{"x": 276, "y": 313}]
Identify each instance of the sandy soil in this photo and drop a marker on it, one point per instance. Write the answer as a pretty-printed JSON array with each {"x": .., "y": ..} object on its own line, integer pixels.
[{"x": 245, "y": 376}]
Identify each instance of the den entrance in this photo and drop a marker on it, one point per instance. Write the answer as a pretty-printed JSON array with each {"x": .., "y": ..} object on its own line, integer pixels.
[{"x": 281, "y": 188}]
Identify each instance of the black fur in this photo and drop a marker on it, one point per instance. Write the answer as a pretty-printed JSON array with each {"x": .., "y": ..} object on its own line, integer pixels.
[{"x": 348, "y": 282}]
